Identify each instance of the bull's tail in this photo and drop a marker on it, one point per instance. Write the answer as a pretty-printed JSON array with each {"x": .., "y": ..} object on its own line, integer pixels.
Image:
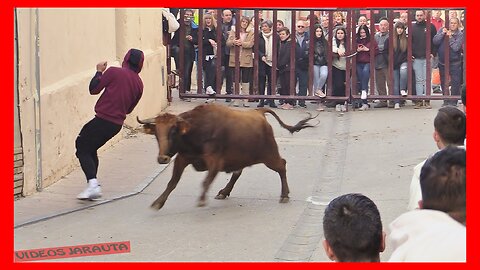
[{"x": 297, "y": 127}]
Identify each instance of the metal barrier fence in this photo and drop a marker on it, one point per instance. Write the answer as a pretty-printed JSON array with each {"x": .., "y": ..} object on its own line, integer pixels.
[{"x": 351, "y": 93}]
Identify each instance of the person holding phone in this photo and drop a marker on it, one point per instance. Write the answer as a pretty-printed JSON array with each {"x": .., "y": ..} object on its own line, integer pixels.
[{"x": 365, "y": 47}]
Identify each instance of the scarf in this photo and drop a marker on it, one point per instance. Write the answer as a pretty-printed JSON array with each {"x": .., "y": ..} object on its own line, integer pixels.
[{"x": 268, "y": 46}]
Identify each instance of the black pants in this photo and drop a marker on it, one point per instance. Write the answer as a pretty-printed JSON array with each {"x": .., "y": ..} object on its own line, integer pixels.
[
  {"x": 227, "y": 74},
  {"x": 93, "y": 135},
  {"x": 338, "y": 78}
]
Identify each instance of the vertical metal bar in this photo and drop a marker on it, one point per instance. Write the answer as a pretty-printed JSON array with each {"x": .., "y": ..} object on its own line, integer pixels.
[
  {"x": 37, "y": 106},
  {"x": 348, "y": 50},
  {"x": 354, "y": 85},
  {"x": 464, "y": 48},
  {"x": 181, "y": 56},
  {"x": 237, "y": 52},
  {"x": 428, "y": 82},
  {"x": 372, "y": 54},
  {"x": 255, "y": 56},
  {"x": 409, "y": 54},
  {"x": 274, "y": 53},
  {"x": 354, "y": 14},
  {"x": 330, "y": 53},
  {"x": 390, "y": 76},
  {"x": 219, "y": 54},
  {"x": 200, "y": 55},
  {"x": 446, "y": 41},
  {"x": 169, "y": 66},
  {"x": 293, "y": 46},
  {"x": 311, "y": 53}
]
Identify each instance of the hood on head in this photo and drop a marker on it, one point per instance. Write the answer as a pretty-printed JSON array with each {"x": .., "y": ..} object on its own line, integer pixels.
[{"x": 133, "y": 60}]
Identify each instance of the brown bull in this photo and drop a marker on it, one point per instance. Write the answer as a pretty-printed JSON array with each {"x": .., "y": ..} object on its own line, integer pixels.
[{"x": 216, "y": 138}]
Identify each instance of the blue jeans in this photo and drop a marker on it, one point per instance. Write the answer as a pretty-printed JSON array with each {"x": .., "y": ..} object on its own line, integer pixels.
[
  {"x": 363, "y": 74},
  {"x": 420, "y": 68},
  {"x": 320, "y": 74},
  {"x": 400, "y": 80}
]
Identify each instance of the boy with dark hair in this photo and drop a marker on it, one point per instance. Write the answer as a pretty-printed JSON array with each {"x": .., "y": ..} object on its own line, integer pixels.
[
  {"x": 436, "y": 232},
  {"x": 450, "y": 129},
  {"x": 353, "y": 229},
  {"x": 443, "y": 183}
]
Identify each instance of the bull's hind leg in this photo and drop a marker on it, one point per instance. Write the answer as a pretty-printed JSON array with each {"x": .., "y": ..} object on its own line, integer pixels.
[
  {"x": 178, "y": 168},
  {"x": 225, "y": 192},
  {"x": 206, "y": 185},
  {"x": 280, "y": 166}
]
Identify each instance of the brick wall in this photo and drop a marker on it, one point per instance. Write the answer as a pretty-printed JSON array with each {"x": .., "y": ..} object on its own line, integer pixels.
[{"x": 17, "y": 172}]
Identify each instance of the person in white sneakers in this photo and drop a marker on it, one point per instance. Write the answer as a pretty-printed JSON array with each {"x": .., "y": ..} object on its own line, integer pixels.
[
  {"x": 437, "y": 231},
  {"x": 123, "y": 89}
]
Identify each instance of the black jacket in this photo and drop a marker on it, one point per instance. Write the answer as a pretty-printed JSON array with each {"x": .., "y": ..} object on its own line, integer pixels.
[
  {"x": 190, "y": 45},
  {"x": 283, "y": 53},
  {"x": 419, "y": 39},
  {"x": 399, "y": 57}
]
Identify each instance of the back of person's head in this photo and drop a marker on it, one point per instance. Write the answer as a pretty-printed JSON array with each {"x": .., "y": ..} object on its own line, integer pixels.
[
  {"x": 134, "y": 60},
  {"x": 443, "y": 182},
  {"x": 353, "y": 229},
  {"x": 450, "y": 124}
]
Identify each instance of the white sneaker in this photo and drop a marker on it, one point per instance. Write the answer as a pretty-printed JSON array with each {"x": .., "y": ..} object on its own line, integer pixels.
[
  {"x": 90, "y": 193},
  {"x": 397, "y": 106},
  {"x": 343, "y": 108},
  {"x": 210, "y": 91},
  {"x": 364, "y": 107},
  {"x": 403, "y": 93},
  {"x": 364, "y": 94},
  {"x": 338, "y": 108},
  {"x": 320, "y": 94}
]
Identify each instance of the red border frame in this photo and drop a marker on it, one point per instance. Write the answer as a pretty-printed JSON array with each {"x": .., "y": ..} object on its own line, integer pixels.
[{"x": 6, "y": 17}]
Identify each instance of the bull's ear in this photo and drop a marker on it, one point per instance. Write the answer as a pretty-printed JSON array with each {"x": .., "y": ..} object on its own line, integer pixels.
[
  {"x": 149, "y": 129},
  {"x": 183, "y": 126}
]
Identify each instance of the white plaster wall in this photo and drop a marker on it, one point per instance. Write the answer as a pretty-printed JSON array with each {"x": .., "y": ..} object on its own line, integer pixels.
[{"x": 72, "y": 42}]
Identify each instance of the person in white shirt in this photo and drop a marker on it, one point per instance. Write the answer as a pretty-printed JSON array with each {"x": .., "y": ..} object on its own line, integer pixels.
[
  {"x": 436, "y": 232},
  {"x": 450, "y": 129}
]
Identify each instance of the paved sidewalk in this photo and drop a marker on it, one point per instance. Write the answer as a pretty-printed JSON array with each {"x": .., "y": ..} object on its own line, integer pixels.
[
  {"x": 134, "y": 155},
  {"x": 127, "y": 157}
]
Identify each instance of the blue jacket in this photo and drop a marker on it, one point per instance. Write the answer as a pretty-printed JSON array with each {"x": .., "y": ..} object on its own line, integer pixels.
[{"x": 456, "y": 42}]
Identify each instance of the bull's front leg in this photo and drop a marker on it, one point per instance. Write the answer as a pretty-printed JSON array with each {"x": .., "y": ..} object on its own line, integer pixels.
[
  {"x": 178, "y": 168},
  {"x": 206, "y": 185}
]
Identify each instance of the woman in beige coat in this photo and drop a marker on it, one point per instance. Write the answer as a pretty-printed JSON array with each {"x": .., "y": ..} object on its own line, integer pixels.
[{"x": 245, "y": 43}]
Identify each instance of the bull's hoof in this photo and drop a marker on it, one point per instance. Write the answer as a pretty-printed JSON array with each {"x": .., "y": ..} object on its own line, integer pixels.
[
  {"x": 220, "y": 196},
  {"x": 284, "y": 200},
  {"x": 201, "y": 203},
  {"x": 157, "y": 205}
]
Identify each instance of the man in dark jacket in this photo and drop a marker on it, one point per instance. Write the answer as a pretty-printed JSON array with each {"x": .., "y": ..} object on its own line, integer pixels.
[
  {"x": 455, "y": 60},
  {"x": 189, "y": 40},
  {"x": 301, "y": 60},
  {"x": 123, "y": 89},
  {"x": 419, "y": 53}
]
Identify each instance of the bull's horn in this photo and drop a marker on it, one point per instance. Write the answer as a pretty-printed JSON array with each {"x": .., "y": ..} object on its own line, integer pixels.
[{"x": 146, "y": 121}]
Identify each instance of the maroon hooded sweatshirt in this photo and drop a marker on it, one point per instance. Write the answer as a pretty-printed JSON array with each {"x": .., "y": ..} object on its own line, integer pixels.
[{"x": 123, "y": 88}]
